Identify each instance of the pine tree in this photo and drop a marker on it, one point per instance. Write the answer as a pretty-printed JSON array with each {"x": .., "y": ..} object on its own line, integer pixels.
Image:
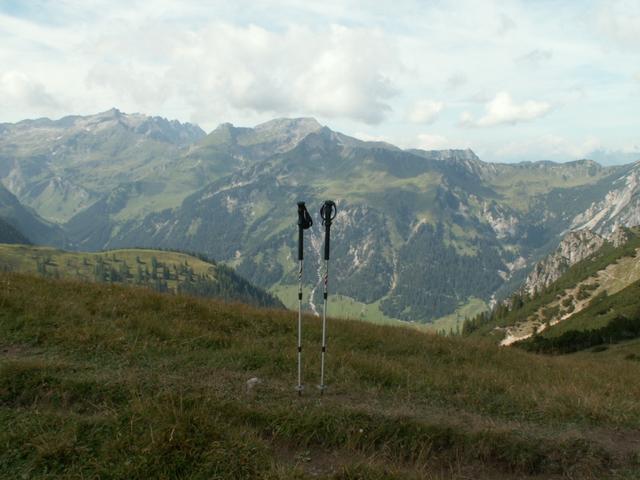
[{"x": 154, "y": 268}]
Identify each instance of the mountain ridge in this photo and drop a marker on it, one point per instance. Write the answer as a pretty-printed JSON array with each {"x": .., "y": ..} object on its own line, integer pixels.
[{"x": 229, "y": 195}]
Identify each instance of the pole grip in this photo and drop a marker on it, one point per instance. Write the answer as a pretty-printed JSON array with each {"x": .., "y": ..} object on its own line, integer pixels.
[
  {"x": 304, "y": 222},
  {"x": 328, "y": 213}
]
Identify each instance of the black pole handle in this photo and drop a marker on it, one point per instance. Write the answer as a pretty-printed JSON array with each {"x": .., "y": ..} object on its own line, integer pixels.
[
  {"x": 304, "y": 222},
  {"x": 327, "y": 213}
]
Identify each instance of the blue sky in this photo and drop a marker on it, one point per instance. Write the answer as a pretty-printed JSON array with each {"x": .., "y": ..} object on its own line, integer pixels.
[{"x": 513, "y": 80}]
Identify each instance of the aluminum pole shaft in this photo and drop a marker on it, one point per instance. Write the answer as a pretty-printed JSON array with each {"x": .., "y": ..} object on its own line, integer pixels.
[
  {"x": 322, "y": 386},
  {"x": 300, "y": 387}
]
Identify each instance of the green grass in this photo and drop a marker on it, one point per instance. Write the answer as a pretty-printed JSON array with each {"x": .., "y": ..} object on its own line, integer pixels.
[
  {"x": 173, "y": 272},
  {"x": 519, "y": 183},
  {"x": 81, "y": 265},
  {"x": 451, "y": 323},
  {"x": 288, "y": 295},
  {"x": 600, "y": 311},
  {"x": 606, "y": 320},
  {"x": 103, "y": 381},
  {"x": 628, "y": 351},
  {"x": 342, "y": 306}
]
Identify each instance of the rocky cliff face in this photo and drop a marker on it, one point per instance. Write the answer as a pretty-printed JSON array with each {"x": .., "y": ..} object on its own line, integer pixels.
[
  {"x": 574, "y": 247},
  {"x": 619, "y": 206}
]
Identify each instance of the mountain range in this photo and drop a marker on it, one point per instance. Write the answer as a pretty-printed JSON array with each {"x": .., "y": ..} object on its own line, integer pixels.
[{"x": 420, "y": 235}]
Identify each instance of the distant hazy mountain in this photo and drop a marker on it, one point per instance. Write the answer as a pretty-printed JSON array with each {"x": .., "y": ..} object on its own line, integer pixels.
[
  {"x": 61, "y": 167},
  {"x": 418, "y": 233},
  {"x": 609, "y": 157}
]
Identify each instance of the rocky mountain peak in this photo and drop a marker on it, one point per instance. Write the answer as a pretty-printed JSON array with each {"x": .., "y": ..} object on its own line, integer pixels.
[
  {"x": 112, "y": 112},
  {"x": 451, "y": 154},
  {"x": 60, "y": 131},
  {"x": 275, "y": 136},
  {"x": 157, "y": 128},
  {"x": 288, "y": 132},
  {"x": 304, "y": 125}
]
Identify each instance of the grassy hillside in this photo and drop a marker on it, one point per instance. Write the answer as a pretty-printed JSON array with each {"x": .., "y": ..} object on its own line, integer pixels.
[
  {"x": 163, "y": 271},
  {"x": 102, "y": 381},
  {"x": 601, "y": 310},
  {"x": 606, "y": 320},
  {"x": 607, "y": 271}
]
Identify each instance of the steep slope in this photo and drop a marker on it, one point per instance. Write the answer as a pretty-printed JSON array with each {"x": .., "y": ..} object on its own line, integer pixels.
[
  {"x": 27, "y": 222},
  {"x": 9, "y": 234},
  {"x": 606, "y": 320},
  {"x": 567, "y": 300},
  {"x": 106, "y": 381},
  {"x": 574, "y": 247},
  {"x": 160, "y": 270}
]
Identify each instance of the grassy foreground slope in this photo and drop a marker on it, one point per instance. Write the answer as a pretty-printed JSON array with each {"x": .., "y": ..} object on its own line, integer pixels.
[{"x": 103, "y": 381}]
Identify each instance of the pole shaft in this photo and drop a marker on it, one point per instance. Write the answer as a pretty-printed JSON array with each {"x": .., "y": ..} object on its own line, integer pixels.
[
  {"x": 300, "y": 328},
  {"x": 324, "y": 324}
]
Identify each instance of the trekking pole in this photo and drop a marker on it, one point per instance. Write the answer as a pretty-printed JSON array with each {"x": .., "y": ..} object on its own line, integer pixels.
[
  {"x": 304, "y": 222},
  {"x": 327, "y": 213}
]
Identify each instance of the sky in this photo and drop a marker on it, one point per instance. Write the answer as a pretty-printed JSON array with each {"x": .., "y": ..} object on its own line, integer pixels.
[{"x": 512, "y": 80}]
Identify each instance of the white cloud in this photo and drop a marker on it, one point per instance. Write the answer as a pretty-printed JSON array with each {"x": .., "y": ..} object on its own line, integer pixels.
[
  {"x": 456, "y": 80},
  {"x": 19, "y": 91},
  {"x": 548, "y": 147},
  {"x": 535, "y": 57},
  {"x": 334, "y": 72},
  {"x": 636, "y": 77},
  {"x": 425, "y": 111},
  {"x": 619, "y": 21},
  {"x": 429, "y": 141},
  {"x": 506, "y": 24},
  {"x": 502, "y": 110},
  {"x": 367, "y": 137}
]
